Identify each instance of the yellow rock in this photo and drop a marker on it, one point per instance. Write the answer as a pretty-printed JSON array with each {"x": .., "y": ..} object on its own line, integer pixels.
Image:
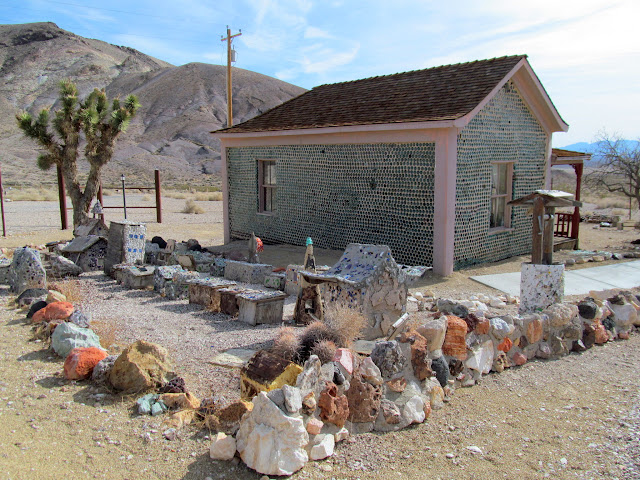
[
  {"x": 265, "y": 372},
  {"x": 180, "y": 401}
]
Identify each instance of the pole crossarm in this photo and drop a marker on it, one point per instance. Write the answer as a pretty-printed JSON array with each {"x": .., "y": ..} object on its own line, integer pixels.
[{"x": 229, "y": 38}]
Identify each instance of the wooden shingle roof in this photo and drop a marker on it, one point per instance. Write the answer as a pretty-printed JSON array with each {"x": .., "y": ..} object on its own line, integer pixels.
[{"x": 440, "y": 93}]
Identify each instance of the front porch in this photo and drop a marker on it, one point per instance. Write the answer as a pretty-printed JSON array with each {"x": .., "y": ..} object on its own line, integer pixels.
[{"x": 567, "y": 226}]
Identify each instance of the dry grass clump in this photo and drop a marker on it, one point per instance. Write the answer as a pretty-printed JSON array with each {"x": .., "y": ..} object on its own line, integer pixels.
[
  {"x": 174, "y": 194},
  {"x": 33, "y": 194},
  {"x": 209, "y": 197},
  {"x": 325, "y": 350},
  {"x": 72, "y": 289},
  {"x": 191, "y": 207},
  {"x": 286, "y": 344},
  {"x": 346, "y": 323},
  {"x": 106, "y": 330}
]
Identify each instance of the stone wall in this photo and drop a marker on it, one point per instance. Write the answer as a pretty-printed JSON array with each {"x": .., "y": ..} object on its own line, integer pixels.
[
  {"x": 339, "y": 194},
  {"x": 504, "y": 130}
]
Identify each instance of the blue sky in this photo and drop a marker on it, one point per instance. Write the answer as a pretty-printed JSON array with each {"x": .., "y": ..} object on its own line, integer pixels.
[{"x": 586, "y": 52}]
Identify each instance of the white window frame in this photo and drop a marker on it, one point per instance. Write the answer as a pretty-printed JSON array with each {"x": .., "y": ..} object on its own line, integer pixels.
[
  {"x": 507, "y": 197},
  {"x": 263, "y": 188}
]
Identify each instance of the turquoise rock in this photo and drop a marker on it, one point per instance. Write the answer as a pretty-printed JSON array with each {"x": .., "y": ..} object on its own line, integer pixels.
[
  {"x": 68, "y": 336},
  {"x": 145, "y": 404},
  {"x": 158, "y": 408}
]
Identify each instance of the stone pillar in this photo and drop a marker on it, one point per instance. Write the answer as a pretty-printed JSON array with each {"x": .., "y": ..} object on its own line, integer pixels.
[
  {"x": 126, "y": 244},
  {"x": 540, "y": 286}
]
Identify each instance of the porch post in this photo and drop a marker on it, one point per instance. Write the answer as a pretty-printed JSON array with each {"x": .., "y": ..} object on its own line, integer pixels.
[
  {"x": 575, "y": 221},
  {"x": 445, "y": 202}
]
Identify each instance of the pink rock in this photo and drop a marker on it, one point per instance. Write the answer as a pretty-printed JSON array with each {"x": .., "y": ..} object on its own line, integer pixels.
[
  {"x": 623, "y": 336},
  {"x": 519, "y": 359},
  {"x": 344, "y": 357},
  {"x": 81, "y": 361},
  {"x": 314, "y": 426}
]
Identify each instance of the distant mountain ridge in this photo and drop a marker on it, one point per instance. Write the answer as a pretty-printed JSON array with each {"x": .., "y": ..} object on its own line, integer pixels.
[
  {"x": 594, "y": 147},
  {"x": 180, "y": 105}
]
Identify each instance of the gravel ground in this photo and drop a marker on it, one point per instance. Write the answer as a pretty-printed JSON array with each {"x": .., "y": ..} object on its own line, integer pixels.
[{"x": 577, "y": 417}]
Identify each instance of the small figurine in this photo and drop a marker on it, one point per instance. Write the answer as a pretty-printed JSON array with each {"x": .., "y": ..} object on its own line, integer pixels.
[
  {"x": 255, "y": 246},
  {"x": 309, "y": 259}
]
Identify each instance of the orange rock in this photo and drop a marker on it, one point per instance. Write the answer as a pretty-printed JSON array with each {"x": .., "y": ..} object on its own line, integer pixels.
[
  {"x": 519, "y": 359},
  {"x": 334, "y": 408},
  {"x": 623, "y": 336},
  {"x": 505, "y": 345},
  {"x": 397, "y": 384},
  {"x": 53, "y": 311},
  {"x": 80, "y": 362},
  {"x": 482, "y": 328},
  {"x": 455, "y": 344},
  {"x": 534, "y": 331},
  {"x": 602, "y": 336},
  {"x": 180, "y": 401},
  {"x": 427, "y": 410}
]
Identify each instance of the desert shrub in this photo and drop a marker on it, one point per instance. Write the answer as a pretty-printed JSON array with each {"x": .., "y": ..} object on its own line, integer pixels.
[
  {"x": 345, "y": 323},
  {"x": 209, "y": 197},
  {"x": 191, "y": 207},
  {"x": 174, "y": 194},
  {"x": 325, "y": 350},
  {"x": 286, "y": 344},
  {"x": 315, "y": 333},
  {"x": 146, "y": 198}
]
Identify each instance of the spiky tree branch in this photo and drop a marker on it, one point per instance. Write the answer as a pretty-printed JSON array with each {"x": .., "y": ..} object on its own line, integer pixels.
[{"x": 619, "y": 167}]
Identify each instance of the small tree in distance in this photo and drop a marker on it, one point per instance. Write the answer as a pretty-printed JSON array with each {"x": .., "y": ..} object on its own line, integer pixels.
[
  {"x": 618, "y": 170},
  {"x": 93, "y": 119}
]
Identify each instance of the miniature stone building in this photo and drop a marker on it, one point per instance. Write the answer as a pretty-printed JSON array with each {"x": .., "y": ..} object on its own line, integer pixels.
[
  {"x": 126, "y": 244},
  {"x": 91, "y": 226},
  {"x": 87, "y": 252},
  {"x": 368, "y": 279},
  {"x": 421, "y": 161}
]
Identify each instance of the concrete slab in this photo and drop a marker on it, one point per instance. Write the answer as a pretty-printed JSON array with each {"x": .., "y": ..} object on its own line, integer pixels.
[
  {"x": 233, "y": 358},
  {"x": 576, "y": 282}
]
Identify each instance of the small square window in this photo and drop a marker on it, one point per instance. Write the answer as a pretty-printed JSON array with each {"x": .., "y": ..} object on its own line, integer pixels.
[{"x": 267, "y": 186}]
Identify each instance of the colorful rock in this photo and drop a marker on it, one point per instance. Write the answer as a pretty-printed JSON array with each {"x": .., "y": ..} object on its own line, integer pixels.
[
  {"x": 454, "y": 341},
  {"x": 364, "y": 401},
  {"x": 505, "y": 345},
  {"x": 53, "y": 311},
  {"x": 334, "y": 408},
  {"x": 80, "y": 362}
]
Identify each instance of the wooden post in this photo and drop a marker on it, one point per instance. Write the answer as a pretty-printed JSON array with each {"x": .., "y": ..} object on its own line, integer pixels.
[
  {"x": 101, "y": 200},
  {"x": 62, "y": 196},
  {"x": 158, "y": 197},
  {"x": 575, "y": 220},
  {"x": 547, "y": 247},
  {"x": 228, "y": 39},
  {"x": 4, "y": 225},
  {"x": 536, "y": 240}
]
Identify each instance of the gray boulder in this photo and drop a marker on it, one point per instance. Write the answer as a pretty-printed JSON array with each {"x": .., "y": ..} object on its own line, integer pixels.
[
  {"x": 63, "y": 267},
  {"x": 26, "y": 270}
]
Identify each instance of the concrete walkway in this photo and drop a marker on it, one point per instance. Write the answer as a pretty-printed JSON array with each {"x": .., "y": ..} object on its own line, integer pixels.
[{"x": 576, "y": 282}]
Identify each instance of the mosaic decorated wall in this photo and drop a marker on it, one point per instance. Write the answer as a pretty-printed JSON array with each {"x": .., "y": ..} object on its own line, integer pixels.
[
  {"x": 504, "y": 130},
  {"x": 339, "y": 194}
]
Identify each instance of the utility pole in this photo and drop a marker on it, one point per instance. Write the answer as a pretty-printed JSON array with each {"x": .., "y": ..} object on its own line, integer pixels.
[{"x": 228, "y": 39}]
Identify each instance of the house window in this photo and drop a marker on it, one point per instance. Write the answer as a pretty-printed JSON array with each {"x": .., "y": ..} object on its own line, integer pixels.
[
  {"x": 501, "y": 181},
  {"x": 268, "y": 186}
]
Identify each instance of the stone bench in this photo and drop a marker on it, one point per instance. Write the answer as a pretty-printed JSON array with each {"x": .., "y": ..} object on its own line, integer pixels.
[
  {"x": 246, "y": 272},
  {"x": 204, "y": 292},
  {"x": 256, "y": 306}
]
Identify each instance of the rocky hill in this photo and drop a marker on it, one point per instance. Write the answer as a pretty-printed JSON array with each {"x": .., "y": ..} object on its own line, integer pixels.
[{"x": 180, "y": 105}]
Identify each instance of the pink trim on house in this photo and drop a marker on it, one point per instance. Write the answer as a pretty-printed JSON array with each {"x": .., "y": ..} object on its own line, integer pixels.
[{"x": 444, "y": 209}]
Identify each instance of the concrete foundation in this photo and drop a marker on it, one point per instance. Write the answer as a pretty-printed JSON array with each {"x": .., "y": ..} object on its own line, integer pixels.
[
  {"x": 137, "y": 277},
  {"x": 540, "y": 286}
]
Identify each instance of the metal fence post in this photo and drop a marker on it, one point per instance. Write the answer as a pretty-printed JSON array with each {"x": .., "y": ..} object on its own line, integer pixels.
[{"x": 158, "y": 196}]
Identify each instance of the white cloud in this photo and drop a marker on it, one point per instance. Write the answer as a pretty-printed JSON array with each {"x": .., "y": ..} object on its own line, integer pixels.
[
  {"x": 323, "y": 60},
  {"x": 313, "y": 32}
]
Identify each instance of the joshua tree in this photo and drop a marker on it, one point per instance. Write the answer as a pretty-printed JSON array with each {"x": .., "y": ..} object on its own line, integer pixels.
[{"x": 93, "y": 119}]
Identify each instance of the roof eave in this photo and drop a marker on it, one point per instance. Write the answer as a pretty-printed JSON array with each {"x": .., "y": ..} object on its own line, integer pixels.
[
  {"x": 339, "y": 129},
  {"x": 533, "y": 93}
]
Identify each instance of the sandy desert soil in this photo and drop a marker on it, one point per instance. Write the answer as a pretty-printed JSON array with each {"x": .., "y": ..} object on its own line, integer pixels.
[{"x": 577, "y": 417}]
